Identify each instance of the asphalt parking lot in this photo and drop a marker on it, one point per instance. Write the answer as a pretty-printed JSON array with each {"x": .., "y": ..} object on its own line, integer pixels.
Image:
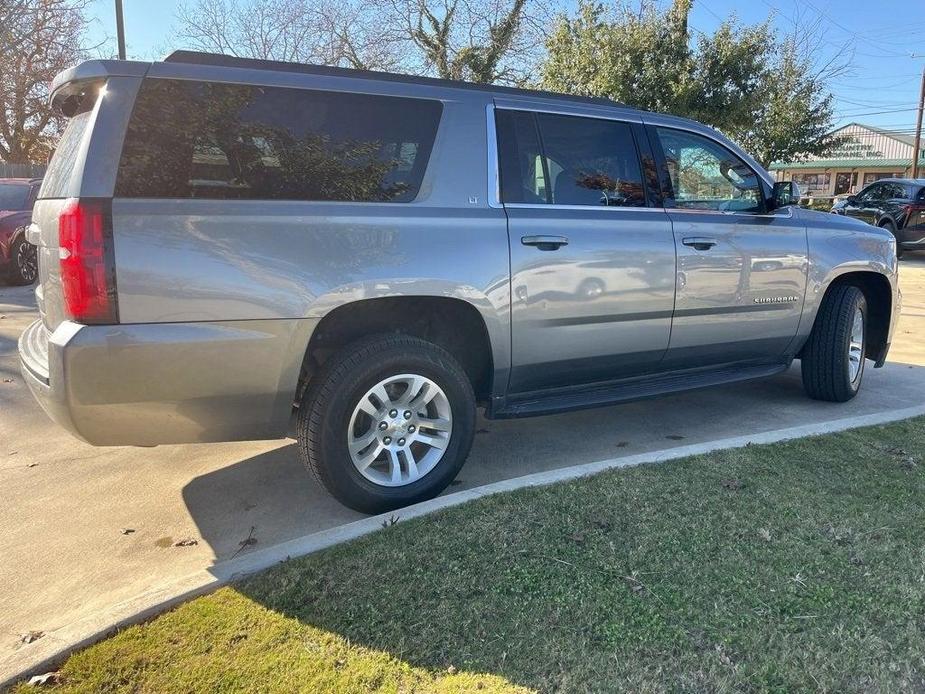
[{"x": 88, "y": 527}]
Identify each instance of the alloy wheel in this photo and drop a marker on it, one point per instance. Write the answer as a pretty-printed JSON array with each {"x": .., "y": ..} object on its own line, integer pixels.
[
  {"x": 399, "y": 430},
  {"x": 27, "y": 262}
]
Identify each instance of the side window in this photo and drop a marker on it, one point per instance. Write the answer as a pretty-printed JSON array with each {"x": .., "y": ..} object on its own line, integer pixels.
[
  {"x": 591, "y": 161},
  {"x": 892, "y": 191},
  {"x": 707, "y": 176},
  {"x": 191, "y": 139},
  {"x": 871, "y": 193},
  {"x": 519, "y": 158}
]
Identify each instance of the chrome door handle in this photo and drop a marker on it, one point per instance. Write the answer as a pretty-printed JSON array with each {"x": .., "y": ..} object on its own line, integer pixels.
[
  {"x": 544, "y": 243},
  {"x": 700, "y": 243}
]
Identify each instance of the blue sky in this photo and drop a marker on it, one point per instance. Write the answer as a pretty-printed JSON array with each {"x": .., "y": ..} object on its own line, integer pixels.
[{"x": 878, "y": 35}]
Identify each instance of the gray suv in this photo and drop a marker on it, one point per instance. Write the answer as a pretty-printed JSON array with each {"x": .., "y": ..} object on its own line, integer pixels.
[{"x": 235, "y": 249}]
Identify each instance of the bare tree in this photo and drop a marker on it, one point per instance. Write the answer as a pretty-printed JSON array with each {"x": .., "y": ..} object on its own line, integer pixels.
[
  {"x": 474, "y": 40},
  {"x": 38, "y": 39},
  {"x": 477, "y": 40},
  {"x": 327, "y": 32}
]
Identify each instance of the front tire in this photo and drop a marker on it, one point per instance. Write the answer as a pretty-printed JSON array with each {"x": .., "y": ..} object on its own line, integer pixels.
[
  {"x": 388, "y": 421},
  {"x": 832, "y": 363},
  {"x": 24, "y": 268}
]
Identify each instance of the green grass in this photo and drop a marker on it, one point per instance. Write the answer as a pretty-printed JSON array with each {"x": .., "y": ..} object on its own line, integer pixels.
[{"x": 795, "y": 566}]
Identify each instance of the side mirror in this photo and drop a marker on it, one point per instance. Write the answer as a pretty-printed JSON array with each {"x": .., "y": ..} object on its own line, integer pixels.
[{"x": 785, "y": 193}]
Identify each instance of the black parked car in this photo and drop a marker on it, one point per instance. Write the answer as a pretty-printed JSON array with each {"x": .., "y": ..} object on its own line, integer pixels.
[{"x": 897, "y": 204}]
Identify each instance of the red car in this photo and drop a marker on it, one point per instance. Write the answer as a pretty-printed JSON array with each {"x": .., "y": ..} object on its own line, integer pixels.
[{"x": 18, "y": 263}]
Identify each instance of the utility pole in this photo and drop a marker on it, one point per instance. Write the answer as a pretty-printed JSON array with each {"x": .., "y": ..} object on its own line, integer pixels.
[
  {"x": 120, "y": 30},
  {"x": 918, "y": 130}
]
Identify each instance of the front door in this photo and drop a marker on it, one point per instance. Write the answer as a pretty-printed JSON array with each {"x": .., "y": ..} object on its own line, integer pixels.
[
  {"x": 741, "y": 273},
  {"x": 866, "y": 205},
  {"x": 592, "y": 260}
]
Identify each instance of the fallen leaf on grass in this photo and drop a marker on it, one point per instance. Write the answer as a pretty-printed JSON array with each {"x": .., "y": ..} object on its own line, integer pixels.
[
  {"x": 188, "y": 542},
  {"x": 7, "y": 380},
  {"x": 733, "y": 484},
  {"x": 47, "y": 678},
  {"x": 127, "y": 531},
  {"x": 674, "y": 437},
  {"x": 623, "y": 444},
  {"x": 764, "y": 534}
]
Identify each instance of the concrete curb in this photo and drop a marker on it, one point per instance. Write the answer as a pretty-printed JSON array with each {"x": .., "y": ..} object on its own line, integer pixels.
[{"x": 44, "y": 654}]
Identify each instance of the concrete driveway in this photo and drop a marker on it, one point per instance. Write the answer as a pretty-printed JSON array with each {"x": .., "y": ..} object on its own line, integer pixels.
[{"x": 85, "y": 528}]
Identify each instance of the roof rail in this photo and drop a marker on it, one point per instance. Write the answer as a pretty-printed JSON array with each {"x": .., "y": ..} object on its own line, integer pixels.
[{"x": 221, "y": 60}]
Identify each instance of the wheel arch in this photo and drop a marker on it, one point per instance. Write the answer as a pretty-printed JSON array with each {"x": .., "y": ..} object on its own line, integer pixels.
[
  {"x": 878, "y": 293},
  {"x": 457, "y": 325}
]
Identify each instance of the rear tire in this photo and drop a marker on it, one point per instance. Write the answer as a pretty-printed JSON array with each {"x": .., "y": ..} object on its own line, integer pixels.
[
  {"x": 358, "y": 444},
  {"x": 832, "y": 362},
  {"x": 23, "y": 267}
]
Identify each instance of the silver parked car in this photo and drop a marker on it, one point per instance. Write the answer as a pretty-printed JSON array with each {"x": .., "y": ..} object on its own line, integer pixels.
[{"x": 228, "y": 247}]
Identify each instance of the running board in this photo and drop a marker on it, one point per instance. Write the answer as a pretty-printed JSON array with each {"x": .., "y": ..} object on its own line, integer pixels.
[{"x": 599, "y": 395}]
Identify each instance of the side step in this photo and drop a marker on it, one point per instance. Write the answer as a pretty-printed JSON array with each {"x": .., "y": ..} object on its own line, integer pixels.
[{"x": 601, "y": 394}]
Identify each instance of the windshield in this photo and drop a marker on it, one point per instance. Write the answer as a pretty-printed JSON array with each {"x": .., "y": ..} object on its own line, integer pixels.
[{"x": 14, "y": 196}]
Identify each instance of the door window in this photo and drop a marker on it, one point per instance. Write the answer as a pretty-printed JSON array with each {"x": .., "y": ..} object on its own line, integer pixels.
[
  {"x": 893, "y": 191},
  {"x": 591, "y": 162},
  {"x": 707, "y": 176},
  {"x": 519, "y": 158},
  {"x": 568, "y": 160},
  {"x": 871, "y": 194}
]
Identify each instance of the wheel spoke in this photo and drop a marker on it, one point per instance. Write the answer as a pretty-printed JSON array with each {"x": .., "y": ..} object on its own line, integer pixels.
[
  {"x": 423, "y": 398},
  {"x": 366, "y": 404},
  {"x": 438, "y": 424},
  {"x": 382, "y": 395},
  {"x": 394, "y": 466},
  {"x": 367, "y": 459},
  {"x": 360, "y": 444},
  {"x": 437, "y": 442},
  {"x": 414, "y": 389},
  {"x": 412, "y": 464}
]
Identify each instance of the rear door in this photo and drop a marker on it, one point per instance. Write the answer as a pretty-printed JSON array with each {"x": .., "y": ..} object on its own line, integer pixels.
[
  {"x": 592, "y": 258},
  {"x": 742, "y": 271}
]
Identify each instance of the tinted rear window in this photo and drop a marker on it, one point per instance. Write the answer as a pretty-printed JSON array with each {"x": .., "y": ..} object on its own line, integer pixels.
[
  {"x": 223, "y": 141},
  {"x": 56, "y": 183},
  {"x": 14, "y": 196}
]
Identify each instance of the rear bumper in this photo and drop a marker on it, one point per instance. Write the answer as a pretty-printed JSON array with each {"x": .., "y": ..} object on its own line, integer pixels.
[{"x": 151, "y": 384}]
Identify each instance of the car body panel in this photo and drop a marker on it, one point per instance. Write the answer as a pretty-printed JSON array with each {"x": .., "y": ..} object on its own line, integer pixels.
[
  {"x": 741, "y": 299},
  {"x": 150, "y": 384}
]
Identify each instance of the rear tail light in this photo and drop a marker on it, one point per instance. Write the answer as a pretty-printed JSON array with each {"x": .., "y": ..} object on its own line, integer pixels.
[{"x": 88, "y": 277}]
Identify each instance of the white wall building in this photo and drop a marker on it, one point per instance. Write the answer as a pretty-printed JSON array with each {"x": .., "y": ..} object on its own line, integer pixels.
[{"x": 867, "y": 154}]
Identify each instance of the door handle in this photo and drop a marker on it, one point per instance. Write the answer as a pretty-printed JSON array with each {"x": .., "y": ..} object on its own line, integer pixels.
[
  {"x": 544, "y": 243},
  {"x": 701, "y": 243}
]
